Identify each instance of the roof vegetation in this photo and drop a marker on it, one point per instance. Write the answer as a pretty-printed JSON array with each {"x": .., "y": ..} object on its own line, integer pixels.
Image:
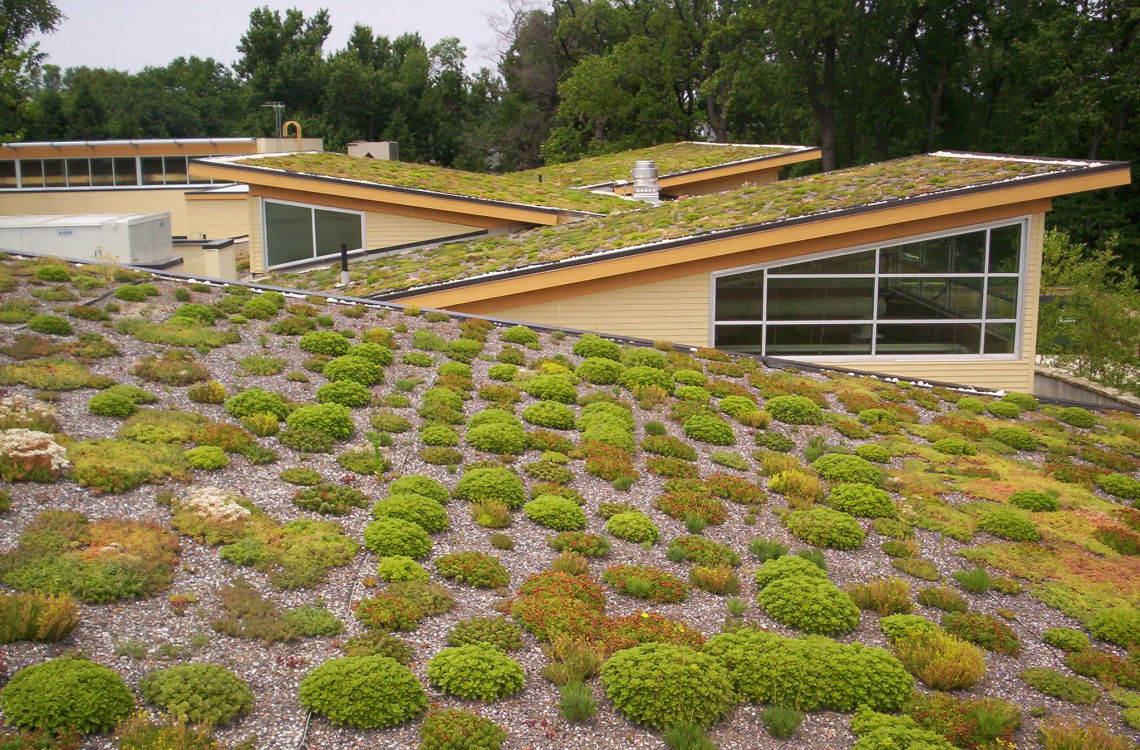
[
  {"x": 815, "y": 195},
  {"x": 671, "y": 158},
  {"x": 452, "y": 182},
  {"x": 821, "y": 518}
]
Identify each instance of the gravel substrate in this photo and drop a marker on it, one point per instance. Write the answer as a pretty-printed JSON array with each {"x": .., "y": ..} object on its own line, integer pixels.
[{"x": 156, "y": 636}]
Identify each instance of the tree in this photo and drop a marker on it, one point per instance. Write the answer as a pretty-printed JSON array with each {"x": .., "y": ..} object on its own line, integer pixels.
[
  {"x": 87, "y": 119},
  {"x": 1090, "y": 323},
  {"x": 19, "y": 61},
  {"x": 281, "y": 59}
]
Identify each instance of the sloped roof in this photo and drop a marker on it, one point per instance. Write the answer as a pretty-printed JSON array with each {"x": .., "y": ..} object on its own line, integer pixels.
[
  {"x": 439, "y": 181},
  {"x": 812, "y": 198},
  {"x": 671, "y": 158}
]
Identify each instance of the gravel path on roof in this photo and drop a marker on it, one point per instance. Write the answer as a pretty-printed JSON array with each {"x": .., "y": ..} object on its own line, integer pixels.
[{"x": 156, "y": 636}]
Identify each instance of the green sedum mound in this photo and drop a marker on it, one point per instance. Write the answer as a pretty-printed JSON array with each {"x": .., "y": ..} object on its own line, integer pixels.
[
  {"x": 786, "y": 567},
  {"x": 66, "y": 695},
  {"x": 824, "y": 527},
  {"x": 878, "y": 731},
  {"x": 334, "y": 420},
  {"x": 502, "y": 438},
  {"x": 1120, "y": 485},
  {"x": 810, "y": 673},
  {"x": 794, "y": 410},
  {"x": 813, "y": 605},
  {"x": 198, "y": 693},
  {"x": 395, "y": 536},
  {"x": 1033, "y": 500},
  {"x": 419, "y": 484},
  {"x": 633, "y": 526},
  {"x": 475, "y": 672},
  {"x": 660, "y": 684},
  {"x": 363, "y": 692},
  {"x": 709, "y": 429},
  {"x": 558, "y": 513},
  {"x": 1009, "y": 523},
  {"x": 863, "y": 500},
  {"x": 492, "y": 483},
  {"x": 841, "y": 467},
  {"x": 1119, "y": 625},
  {"x": 417, "y": 509}
]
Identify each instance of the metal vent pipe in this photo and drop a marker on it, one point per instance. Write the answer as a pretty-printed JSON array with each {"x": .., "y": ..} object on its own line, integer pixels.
[{"x": 645, "y": 187}]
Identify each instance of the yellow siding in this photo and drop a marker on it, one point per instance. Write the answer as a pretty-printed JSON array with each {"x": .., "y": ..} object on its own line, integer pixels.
[
  {"x": 256, "y": 256},
  {"x": 380, "y": 230},
  {"x": 675, "y": 310},
  {"x": 118, "y": 201},
  {"x": 386, "y": 230},
  {"x": 218, "y": 219}
]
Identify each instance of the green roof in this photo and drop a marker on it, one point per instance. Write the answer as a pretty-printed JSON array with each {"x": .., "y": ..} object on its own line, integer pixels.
[
  {"x": 448, "y": 182},
  {"x": 671, "y": 158},
  {"x": 873, "y": 186}
]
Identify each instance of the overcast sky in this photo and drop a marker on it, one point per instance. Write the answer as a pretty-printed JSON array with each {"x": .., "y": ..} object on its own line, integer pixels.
[{"x": 132, "y": 34}]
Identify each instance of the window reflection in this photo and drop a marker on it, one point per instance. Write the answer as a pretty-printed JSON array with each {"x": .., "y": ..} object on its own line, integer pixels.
[{"x": 956, "y": 294}]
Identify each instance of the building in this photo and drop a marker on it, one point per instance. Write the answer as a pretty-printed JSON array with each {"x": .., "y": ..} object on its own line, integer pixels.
[
  {"x": 303, "y": 207},
  {"x": 926, "y": 266},
  {"x": 136, "y": 177}
]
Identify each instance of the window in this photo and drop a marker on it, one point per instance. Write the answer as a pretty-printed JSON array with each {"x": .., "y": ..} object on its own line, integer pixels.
[
  {"x": 295, "y": 232},
  {"x": 126, "y": 171},
  {"x": 954, "y": 294},
  {"x": 7, "y": 173}
]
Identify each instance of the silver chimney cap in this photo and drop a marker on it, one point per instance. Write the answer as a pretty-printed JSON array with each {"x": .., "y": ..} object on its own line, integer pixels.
[{"x": 645, "y": 187}]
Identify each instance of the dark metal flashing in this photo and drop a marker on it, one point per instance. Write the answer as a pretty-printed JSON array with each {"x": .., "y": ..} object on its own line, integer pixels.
[
  {"x": 770, "y": 362},
  {"x": 746, "y": 229},
  {"x": 399, "y": 189}
]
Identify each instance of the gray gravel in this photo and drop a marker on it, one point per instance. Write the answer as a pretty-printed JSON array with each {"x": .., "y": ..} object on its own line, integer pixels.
[{"x": 531, "y": 717}]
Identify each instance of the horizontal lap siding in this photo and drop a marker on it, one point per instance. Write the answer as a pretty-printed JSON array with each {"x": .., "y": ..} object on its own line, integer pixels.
[
  {"x": 122, "y": 201},
  {"x": 387, "y": 230},
  {"x": 218, "y": 219},
  {"x": 256, "y": 256},
  {"x": 675, "y": 310}
]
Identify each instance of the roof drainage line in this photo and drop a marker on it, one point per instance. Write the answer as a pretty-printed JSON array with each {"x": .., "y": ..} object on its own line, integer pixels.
[
  {"x": 773, "y": 362},
  {"x": 305, "y": 730},
  {"x": 739, "y": 231}
]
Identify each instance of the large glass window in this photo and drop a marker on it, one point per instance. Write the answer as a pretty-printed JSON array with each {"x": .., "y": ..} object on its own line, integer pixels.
[
  {"x": 953, "y": 294},
  {"x": 294, "y": 233},
  {"x": 7, "y": 173}
]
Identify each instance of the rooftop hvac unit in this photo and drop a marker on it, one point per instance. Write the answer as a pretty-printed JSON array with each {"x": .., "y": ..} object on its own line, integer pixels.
[{"x": 135, "y": 239}]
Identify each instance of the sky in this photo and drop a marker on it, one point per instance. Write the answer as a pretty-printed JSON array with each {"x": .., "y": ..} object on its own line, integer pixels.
[{"x": 132, "y": 34}]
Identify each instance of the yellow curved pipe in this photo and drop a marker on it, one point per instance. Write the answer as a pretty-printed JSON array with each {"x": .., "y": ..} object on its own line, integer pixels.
[{"x": 285, "y": 129}]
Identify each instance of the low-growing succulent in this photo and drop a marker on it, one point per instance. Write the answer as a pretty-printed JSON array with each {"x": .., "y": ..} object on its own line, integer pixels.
[{"x": 475, "y": 672}]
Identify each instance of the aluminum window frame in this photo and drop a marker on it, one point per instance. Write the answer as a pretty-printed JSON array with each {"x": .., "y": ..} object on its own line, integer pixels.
[
  {"x": 763, "y": 323},
  {"x": 137, "y": 184},
  {"x": 312, "y": 229}
]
